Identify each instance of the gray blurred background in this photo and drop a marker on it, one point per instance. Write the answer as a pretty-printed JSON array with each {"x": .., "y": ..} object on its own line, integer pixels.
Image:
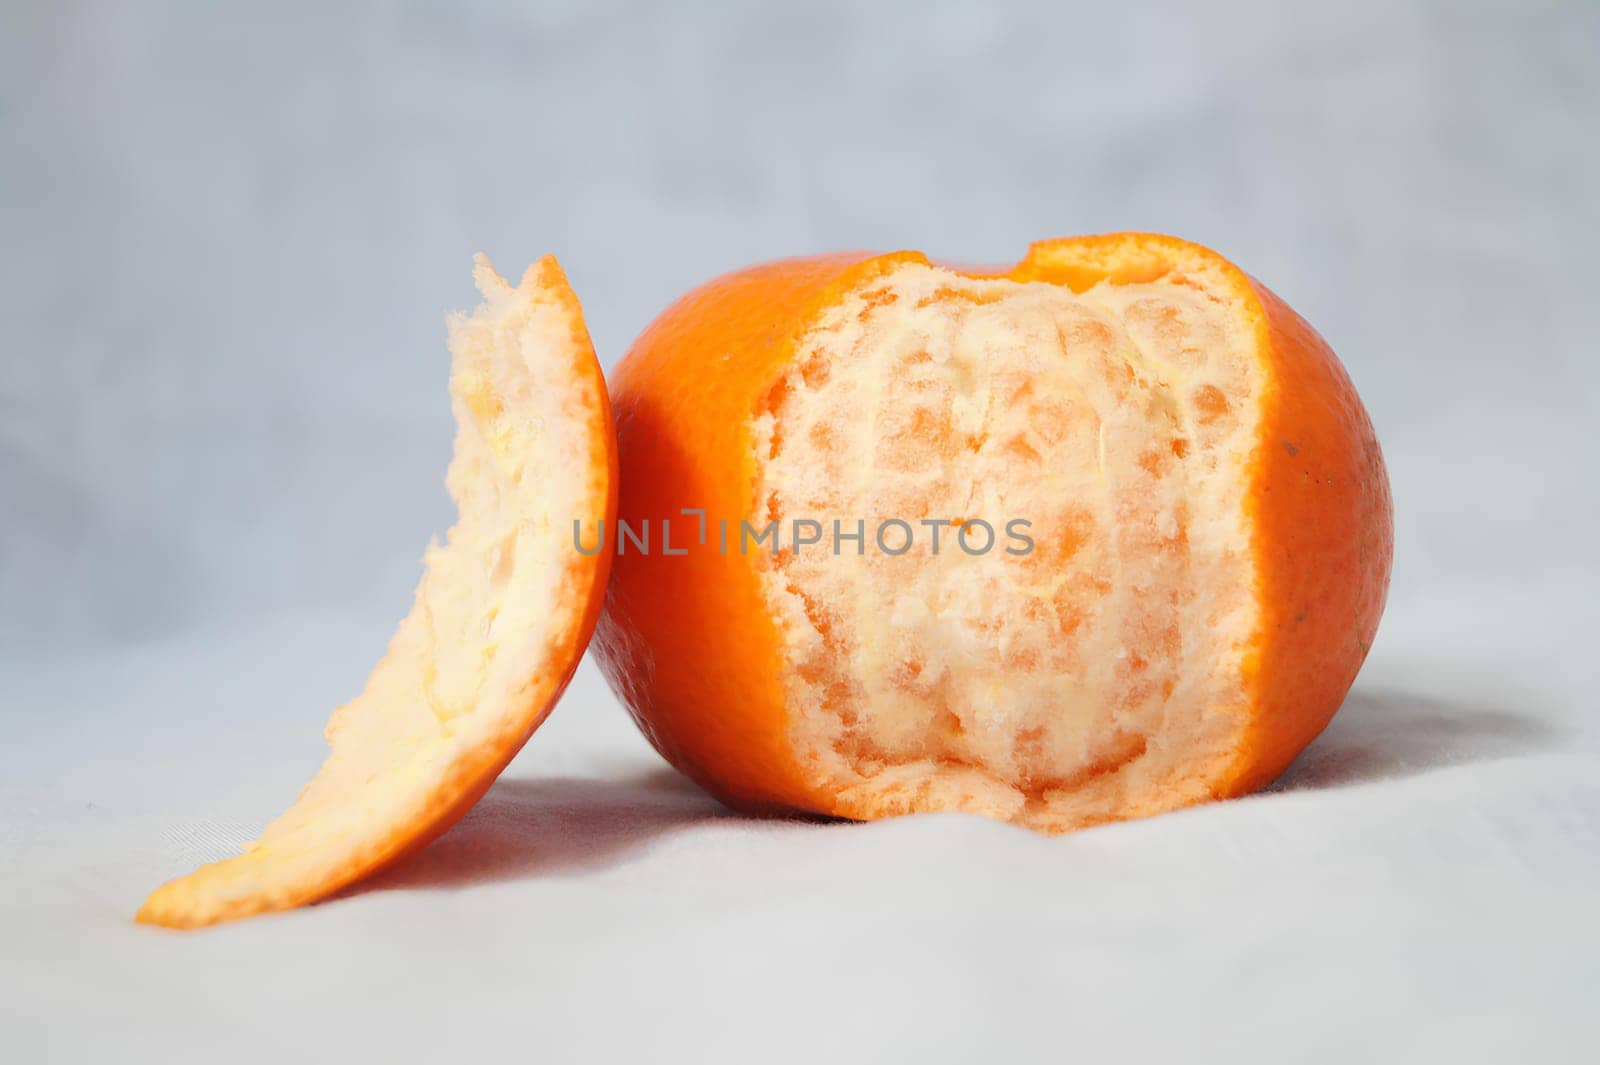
[{"x": 229, "y": 234}]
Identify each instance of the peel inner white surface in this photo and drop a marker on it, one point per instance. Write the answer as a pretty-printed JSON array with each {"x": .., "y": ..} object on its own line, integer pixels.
[{"x": 499, "y": 621}]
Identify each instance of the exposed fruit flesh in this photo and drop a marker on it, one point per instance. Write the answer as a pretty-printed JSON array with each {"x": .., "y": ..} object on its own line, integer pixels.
[{"x": 1054, "y": 687}]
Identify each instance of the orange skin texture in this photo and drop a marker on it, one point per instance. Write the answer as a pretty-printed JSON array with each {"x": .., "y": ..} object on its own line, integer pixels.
[{"x": 689, "y": 644}]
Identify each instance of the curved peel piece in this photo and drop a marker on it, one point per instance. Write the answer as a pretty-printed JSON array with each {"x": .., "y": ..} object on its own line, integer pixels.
[{"x": 503, "y": 613}]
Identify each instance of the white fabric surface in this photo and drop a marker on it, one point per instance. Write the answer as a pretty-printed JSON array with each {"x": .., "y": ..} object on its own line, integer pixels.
[
  {"x": 1421, "y": 886},
  {"x": 227, "y": 235}
]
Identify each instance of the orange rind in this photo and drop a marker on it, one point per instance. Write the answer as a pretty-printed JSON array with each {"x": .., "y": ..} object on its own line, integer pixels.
[{"x": 500, "y": 620}]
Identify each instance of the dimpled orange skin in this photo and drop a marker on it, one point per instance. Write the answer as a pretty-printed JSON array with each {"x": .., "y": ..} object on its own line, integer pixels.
[{"x": 689, "y": 644}]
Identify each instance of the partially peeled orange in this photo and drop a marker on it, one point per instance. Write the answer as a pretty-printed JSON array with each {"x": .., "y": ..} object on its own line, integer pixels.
[{"x": 1204, "y": 502}]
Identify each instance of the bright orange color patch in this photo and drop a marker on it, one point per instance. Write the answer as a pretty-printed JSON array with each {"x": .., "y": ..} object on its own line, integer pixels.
[
  {"x": 501, "y": 618},
  {"x": 1211, "y": 508}
]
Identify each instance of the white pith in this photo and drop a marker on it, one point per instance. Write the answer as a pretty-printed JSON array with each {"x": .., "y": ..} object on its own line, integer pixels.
[
  {"x": 474, "y": 665},
  {"x": 1085, "y": 679}
]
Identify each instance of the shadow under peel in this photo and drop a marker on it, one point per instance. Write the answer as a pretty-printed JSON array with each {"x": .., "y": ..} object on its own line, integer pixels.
[
  {"x": 526, "y": 827},
  {"x": 536, "y": 827}
]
